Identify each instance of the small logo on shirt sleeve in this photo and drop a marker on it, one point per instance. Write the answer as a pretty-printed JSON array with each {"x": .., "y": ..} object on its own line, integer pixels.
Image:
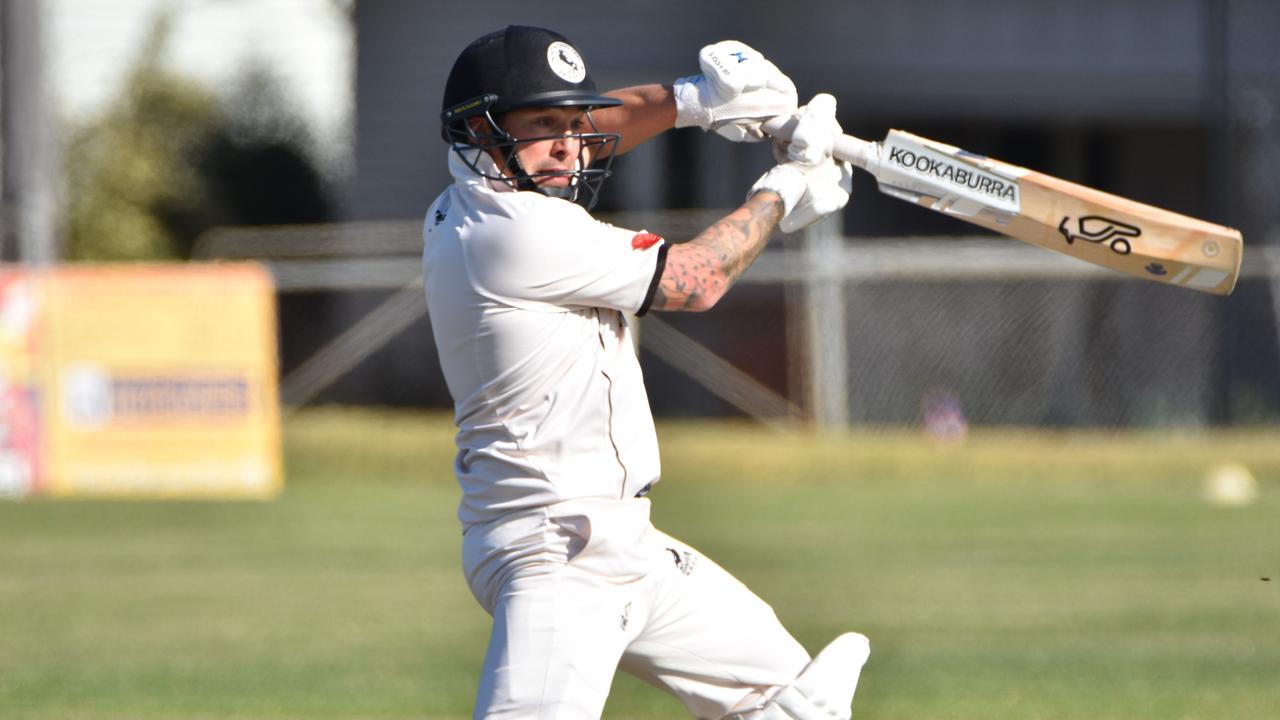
[{"x": 645, "y": 240}]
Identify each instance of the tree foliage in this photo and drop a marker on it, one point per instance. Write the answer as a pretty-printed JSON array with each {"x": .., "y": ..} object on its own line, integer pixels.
[{"x": 168, "y": 160}]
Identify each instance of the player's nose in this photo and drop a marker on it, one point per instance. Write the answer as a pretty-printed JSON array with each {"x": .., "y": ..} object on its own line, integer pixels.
[{"x": 564, "y": 146}]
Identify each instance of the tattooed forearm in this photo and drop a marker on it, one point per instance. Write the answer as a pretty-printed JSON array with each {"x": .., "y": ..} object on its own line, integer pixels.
[{"x": 701, "y": 270}]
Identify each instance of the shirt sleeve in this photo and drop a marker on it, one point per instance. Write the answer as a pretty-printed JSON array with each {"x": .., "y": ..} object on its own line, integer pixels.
[{"x": 551, "y": 254}]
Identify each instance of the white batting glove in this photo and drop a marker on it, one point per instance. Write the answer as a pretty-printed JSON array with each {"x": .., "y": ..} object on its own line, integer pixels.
[
  {"x": 737, "y": 90},
  {"x": 810, "y": 182}
]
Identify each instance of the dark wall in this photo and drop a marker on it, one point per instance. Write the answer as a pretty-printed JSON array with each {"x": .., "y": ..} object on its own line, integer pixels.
[{"x": 982, "y": 63}]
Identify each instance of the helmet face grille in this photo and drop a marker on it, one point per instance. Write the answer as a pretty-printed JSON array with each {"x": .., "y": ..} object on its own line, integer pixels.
[
  {"x": 522, "y": 67},
  {"x": 585, "y": 179}
]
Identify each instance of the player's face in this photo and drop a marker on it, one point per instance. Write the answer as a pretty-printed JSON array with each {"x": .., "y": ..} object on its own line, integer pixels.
[{"x": 555, "y": 154}]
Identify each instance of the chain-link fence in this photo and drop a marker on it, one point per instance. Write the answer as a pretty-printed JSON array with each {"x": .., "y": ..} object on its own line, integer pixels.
[{"x": 1246, "y": 184}]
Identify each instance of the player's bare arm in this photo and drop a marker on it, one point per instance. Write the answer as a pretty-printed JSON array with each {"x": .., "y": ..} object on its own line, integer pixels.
[
  {"x": 699, "y": 272},
  {"x": 737, "y": 90},
  {"x": 646, "y": 112}
]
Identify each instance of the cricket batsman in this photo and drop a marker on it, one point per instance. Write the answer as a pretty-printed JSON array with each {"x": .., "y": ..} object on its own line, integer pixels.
[{"x": 530, "y": 301}]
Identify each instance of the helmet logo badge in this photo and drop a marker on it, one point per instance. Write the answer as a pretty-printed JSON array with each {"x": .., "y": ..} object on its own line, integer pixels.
[{"x": 566, "y": 62}]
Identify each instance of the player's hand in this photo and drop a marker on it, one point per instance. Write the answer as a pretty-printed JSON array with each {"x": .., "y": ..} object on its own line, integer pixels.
[
  {"x": 810, "y": 182},
  {"x": 737, "y": 90}
]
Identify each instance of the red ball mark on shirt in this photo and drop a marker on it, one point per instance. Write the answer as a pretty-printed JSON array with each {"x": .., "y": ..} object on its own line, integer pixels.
[{"x": 645, "y": 240}]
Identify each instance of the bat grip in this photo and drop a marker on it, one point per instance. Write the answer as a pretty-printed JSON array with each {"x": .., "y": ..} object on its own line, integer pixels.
[{"x": 846, "y": 147}]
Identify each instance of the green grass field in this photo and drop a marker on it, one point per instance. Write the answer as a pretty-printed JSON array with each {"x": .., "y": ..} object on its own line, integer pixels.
[{"x": 1018, "y": 575}]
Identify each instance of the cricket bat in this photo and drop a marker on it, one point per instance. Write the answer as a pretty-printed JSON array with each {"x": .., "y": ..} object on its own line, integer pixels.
[{"x": 1039, "y": 209}]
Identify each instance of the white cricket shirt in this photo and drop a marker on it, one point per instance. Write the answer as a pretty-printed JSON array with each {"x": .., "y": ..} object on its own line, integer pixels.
[{"x": 528, "y": 297}]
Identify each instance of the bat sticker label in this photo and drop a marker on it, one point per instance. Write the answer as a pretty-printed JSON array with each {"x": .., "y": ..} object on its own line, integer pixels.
[
  {"x": 1099, "y": 229},
  {"x": 943, "y": 171},
  {"x": 1156, "y": 269},
  {"x": 964, "y": 184}
]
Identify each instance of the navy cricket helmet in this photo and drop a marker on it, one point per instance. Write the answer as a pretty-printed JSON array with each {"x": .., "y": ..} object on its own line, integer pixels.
[{"x": 524, "y": 67}]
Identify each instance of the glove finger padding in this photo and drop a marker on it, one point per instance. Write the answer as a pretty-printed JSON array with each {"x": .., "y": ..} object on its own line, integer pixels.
[
  {"x": 826, "y": 183},
  {"x": 827, "y": 188},
  {"x": 733, "y": 68},
  {"x": 809, "y": 193},
  {"x": 758, "y": 89},
  {"x": 746, "y": 129},
  {"x": 815, "y": 132},
  {"x": 737, "y": 91}
]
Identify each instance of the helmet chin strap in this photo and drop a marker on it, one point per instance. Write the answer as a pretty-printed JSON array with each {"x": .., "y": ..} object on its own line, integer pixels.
[
  {"x": 518, "y": 177},
  {"x": 524, "y": 182}
]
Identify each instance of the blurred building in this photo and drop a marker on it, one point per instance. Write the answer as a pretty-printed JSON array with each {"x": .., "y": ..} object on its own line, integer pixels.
[
  {"x": 1171, "y": 102},
  {"x": 1101, "y": 90}
]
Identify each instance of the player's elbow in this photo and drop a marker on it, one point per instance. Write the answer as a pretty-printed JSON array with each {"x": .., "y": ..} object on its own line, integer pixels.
[
  {"x": 702, "y": 302},
  {"x": 700, "y": 299},
  {"x": 717, "y": 290},
  {"x": 708, "y": 293}
]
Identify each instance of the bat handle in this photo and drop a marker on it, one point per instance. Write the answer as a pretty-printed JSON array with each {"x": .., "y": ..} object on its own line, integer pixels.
[{"x": 865, "y": 155}]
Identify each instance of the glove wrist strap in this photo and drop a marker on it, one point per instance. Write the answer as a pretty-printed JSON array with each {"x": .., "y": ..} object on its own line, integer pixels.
[{"x": 691, "y": 110}]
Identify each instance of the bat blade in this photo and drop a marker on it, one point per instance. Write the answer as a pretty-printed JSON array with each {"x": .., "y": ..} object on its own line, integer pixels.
[
  {"x": 1094, "y": 226},
  {"x": 1097, "y": 227}
]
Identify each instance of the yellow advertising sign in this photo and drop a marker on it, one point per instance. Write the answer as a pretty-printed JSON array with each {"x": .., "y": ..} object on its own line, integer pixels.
[
  {"x": 20, "y": 467},
  {"x": 151, "y": 381}
]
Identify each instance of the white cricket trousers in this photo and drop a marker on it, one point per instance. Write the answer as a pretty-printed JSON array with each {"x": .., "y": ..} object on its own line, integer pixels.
[{"x": 586, "y": 586}]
